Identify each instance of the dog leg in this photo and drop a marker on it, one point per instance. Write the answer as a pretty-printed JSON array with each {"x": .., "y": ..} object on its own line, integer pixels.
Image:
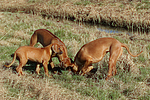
[
  {"x": 114, "y": 70},
  {"x": 119, "y": 54},
  {"x": 52, "y": 66},
  {"x": 86, "y": 67},
  {"x": 88, "y": 70},
  {"x": 51, "y": 63},
  {"x": 19, "y": 68},
  {"x": 38, "y": 69},
  {"x": 45, "y": 63},
  {"x": 114, "y": 55},
  {"x": 111, "y": 65}
]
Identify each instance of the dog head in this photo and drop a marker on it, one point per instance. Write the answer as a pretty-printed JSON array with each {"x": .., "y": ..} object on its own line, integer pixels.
[
  {"x": 66, "y": 62},
  {"x": 56, "y": 49}
]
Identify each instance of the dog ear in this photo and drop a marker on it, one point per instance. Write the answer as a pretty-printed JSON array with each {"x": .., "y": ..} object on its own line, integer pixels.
[{"x": 54, "y": 47}]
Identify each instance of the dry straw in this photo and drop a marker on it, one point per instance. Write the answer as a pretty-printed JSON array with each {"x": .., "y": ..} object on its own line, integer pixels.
[{"x": 127, "y": 17}]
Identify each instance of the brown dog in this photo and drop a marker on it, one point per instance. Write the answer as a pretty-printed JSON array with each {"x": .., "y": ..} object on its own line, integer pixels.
[
  {"x": 39, "y": 55},
  {"x": 45, "y": 37},
  {"x": 94, "y": 51}
]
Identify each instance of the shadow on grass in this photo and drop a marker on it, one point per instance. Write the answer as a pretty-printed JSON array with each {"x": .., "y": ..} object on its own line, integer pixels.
[
  {"x": 31, "y": 67},
  {"x": 98, "y": 73},
  {"x": 101, "y": 71}
]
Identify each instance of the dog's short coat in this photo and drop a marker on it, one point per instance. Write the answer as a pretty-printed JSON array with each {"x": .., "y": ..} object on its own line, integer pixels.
[
  {"x": 94, "y": 51},
  {"x": 45, "y": 37},
  {"x": 39, "y": 55}
]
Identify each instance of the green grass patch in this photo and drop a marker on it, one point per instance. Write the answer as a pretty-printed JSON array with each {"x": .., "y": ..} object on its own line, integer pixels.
[
  {"x": 142, "y": 58},
  {"x": 78, "y": 3},
  {"x": 127, "y": 91},
  {"x": 14, "y": 87},
  {"x": 63, "y": 35},
  {"x": 60, "y": 33},
  {"x": 6, "y": 52},
  {"x": 120, "y": 39},
  {"x": 124, "y": 76},
  {"x": 21, "y": 25},
  {"x": 86, "y": 86},
  {"x": 46, "y": 23},
  {"x": 145, "y": 4},
  {"x": 83, "y": 2},
  {"x": 35, "y": 1},
  {"x": 145, "y": 71},
  {"x": 114, "y": 94}
]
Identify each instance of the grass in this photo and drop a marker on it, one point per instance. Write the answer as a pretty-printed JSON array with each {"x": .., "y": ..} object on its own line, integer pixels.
[
  {"x": 145, "y": 4},
  {"x": 16, "y": 30},
  {"x": 132, "y": 15},
  {"x": 5, "y": 52},
  {"x": 142, "y": 59}
]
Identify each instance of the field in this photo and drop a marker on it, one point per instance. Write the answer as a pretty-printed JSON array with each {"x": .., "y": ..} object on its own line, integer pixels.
[{"x": 17, "y": 24}]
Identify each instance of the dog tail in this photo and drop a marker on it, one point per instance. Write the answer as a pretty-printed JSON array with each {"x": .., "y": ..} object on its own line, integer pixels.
[
  {"x": 12, "y": 61},
  {"x": 123, "y": 45}
]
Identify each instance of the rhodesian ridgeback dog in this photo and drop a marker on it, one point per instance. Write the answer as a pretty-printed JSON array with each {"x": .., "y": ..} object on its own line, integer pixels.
[
  {"x": 45, "y": 37},
  {"x": 94, "y": 51},
  {"x": 39, "y": 55}
]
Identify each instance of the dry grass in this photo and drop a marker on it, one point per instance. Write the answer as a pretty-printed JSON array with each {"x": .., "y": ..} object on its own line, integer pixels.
[
  {"x": 32, "y": 87},
  {"x": 131, "y": 81},
  {"x": 114, "y": 13}
]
